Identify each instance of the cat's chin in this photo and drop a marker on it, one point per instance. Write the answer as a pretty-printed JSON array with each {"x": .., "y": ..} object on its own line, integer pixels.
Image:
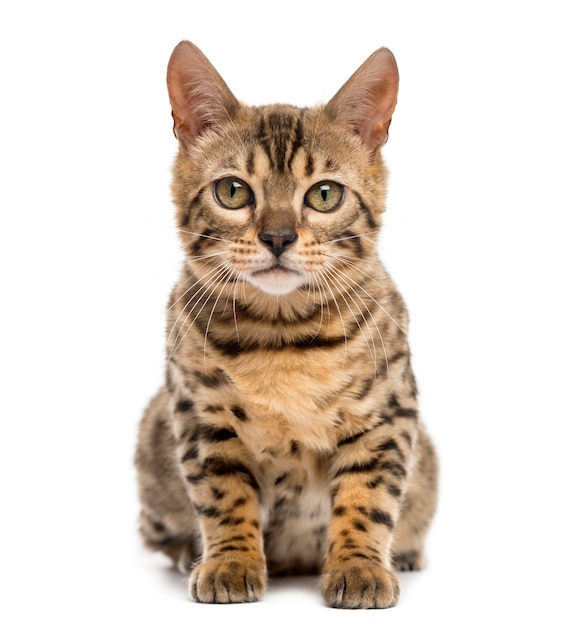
[{"x": 277, "y": 281}]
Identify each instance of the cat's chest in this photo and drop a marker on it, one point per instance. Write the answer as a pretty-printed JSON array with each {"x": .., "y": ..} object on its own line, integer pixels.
[{"x": 291, "y": 396}]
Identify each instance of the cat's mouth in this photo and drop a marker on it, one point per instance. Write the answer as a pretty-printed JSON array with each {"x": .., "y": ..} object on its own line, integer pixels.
[
  {"x": 275, "y": 270},
  {"x": 277, "y": 279}
]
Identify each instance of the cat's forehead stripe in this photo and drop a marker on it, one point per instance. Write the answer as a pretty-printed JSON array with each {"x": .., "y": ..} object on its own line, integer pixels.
[
  {"x": 278, "y": 138},
  {"x": 280, "y": 134}
]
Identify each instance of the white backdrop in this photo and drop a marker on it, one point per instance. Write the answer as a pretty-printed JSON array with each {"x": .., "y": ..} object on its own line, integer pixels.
[{"x": 473, "y": 236}]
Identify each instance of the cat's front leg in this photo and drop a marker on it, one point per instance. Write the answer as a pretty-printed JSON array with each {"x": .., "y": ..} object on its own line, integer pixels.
[
  {"x": 225, "y": 497},
  {"x": 233, "y": 565},
  {"x": 370, "y": 477}
]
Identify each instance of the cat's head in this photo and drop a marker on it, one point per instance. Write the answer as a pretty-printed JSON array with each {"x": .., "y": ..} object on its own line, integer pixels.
[{"x": 277, "y": 197}]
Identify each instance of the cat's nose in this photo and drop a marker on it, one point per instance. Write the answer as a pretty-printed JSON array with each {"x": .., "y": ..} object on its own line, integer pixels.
[{"x": 278, "y": 241}]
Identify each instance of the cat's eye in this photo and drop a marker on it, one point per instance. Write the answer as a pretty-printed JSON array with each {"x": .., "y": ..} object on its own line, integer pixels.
[
  {"x": 325, "y": 196},
  {"x": 233, "y": 193}
]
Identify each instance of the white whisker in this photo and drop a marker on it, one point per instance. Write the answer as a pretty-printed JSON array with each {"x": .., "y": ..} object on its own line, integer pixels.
[
  {"x": 212, "y": 255},
  {"x": 189, "y": 278},
  {"x": 325, "y": 280},
  {"x": 343, "y": 292},
  {"x": 234, "y": 308},
  {"x": 193, "y": 284},
  {"x": 227, "y": 274},
  {"x": 217, "y": 273},
  {"x": 321, "y": 293},
  {"x": 179, "y": 340},
  {"x": 370, "y": 277},
  {"x": 355, "y": 288},
  {"x": 190, "y": 232},
  {"x": 364, "y": 235},
  {"x": 353, "y": 259}
]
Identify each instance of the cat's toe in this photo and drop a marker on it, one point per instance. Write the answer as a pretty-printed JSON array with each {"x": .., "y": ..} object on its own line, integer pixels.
[
  {"x": 357, "y": 585},
  {"x": 229, "y": 580}
]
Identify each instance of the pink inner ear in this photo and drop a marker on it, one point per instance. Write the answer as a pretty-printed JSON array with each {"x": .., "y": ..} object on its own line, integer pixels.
[
  {"x": 199, "y": 96},
  {"x": 367, "y": 100}
]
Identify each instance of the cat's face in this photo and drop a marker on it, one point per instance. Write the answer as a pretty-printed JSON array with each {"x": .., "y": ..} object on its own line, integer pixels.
[
  {"x": 280, "y": 214},
  {"x": 278, "y": 198}
]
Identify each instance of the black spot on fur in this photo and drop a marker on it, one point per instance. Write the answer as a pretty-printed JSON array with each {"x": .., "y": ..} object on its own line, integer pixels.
[
  {"x": 364, "y": 208},
  {"x": 230, "y": 548},
  {"x": 393, "y": 401},
  {"x": 331, "y": 165},
  {"x": 374, "y": 482},
  {"x": 281, "y": 478},
  {"x": 297, "y": 142},
  {"x": 391, "y": 445},
  {"x": 218, "y": 378},
  {"x": 350, "y": 240},
  {"x": 184, "y": 405},
  {"x": 230, "y": 520},
  {"x": 194, "y": 479},
  {"x": 191, "y": 453},
  {"x": 394, "y": 491},
  {"x": 193, "y": 204},
  {"x": 366, "y": 466},
  {"x": 207, "y": 511},
  {"x": 381, "y": 517},
  {"x": 352, "y": 438},
  {"x": 158, "y": 527},
  {"x": 239, "y": 413},
  {"x": 393, "y": 468},
  {"x": 250, "y": 163},
  {"x": 216, "y": 466},
  {"x": 397, "y": 357},
  {"x": 309, "y": 167},
  {"x": 363, "y": 392},
  {"x": 214, "y": 435},
  {"x": 213, "y": 408}
]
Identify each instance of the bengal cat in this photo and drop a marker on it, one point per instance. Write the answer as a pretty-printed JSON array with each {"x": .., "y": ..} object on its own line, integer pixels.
[{"x": 286, "y": 438}]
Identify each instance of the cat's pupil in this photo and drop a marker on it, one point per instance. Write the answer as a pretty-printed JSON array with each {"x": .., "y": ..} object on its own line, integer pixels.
[
  {"x": 234, "y": 188},
  {"x": 324, "y": 191}
]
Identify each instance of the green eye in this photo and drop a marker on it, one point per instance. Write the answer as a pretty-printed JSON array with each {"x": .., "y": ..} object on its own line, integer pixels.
[
  {"x": 325, "y": 196},
  {"x": 233, "y": 193}
]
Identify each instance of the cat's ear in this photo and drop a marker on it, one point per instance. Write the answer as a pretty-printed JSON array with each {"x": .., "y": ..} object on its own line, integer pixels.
[
  {"x": 199, "y": 97},
  {"x": 367, "y": 100}
]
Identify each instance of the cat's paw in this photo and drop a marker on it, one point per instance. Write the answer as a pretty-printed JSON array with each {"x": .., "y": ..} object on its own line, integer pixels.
[
  {"x": 359, "y": 584},
  {"x": 411, "y": 561},
  {"x": 224, "y": 581}
]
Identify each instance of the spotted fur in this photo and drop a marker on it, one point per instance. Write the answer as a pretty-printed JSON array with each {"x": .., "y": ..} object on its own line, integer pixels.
[{"x": 286, "y": 438}]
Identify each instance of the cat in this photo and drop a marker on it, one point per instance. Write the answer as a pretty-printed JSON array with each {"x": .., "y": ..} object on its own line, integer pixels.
[{"x": 286, "y": 438}]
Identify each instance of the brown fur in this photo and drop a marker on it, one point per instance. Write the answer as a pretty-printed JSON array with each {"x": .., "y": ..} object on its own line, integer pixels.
[{"x": 287, "y": 435}]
